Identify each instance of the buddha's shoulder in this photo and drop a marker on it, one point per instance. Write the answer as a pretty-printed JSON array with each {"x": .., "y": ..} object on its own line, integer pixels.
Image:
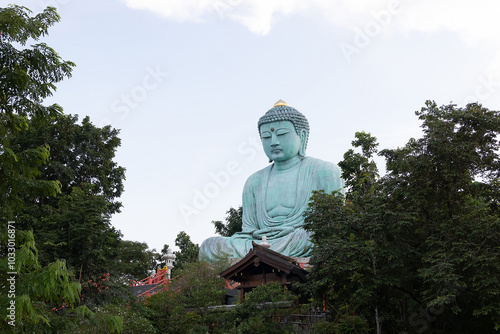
[
  {"x": 259, "y": 175},
  {"x": 321, "y": 165},
  {"x": 326, "y": 175}
]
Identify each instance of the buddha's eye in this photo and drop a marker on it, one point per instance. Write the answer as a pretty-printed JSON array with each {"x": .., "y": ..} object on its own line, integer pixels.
[
  {"x": 281, "y": 132},
  {"x": 266, "y": 135}
]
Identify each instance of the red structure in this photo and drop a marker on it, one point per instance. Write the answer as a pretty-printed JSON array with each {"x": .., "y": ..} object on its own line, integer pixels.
[{"x": 152, "y": 284}]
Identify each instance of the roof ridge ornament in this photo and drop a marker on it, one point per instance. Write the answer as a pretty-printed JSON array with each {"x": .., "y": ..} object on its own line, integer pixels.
[
  {"x": 281, "y": 103},
  {"x": 264, "y": 242}
]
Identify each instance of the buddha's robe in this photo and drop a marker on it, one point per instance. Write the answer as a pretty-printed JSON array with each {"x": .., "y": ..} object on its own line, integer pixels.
[{"x": 313, "y": 174}]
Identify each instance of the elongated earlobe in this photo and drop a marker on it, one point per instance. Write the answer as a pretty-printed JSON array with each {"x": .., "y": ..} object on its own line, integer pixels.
[{"x": 303, "y": 143}]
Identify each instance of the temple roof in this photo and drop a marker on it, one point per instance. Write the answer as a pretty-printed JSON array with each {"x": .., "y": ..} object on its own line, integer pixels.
[{"x": 271, "y": 260}]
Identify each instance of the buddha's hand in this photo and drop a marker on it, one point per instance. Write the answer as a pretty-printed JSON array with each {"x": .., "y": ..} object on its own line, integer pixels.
[{"x": 273, "y": 232}]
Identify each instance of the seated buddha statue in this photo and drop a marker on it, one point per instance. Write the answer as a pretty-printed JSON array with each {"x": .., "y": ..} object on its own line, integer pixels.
[{"x": 276, "y": 197}]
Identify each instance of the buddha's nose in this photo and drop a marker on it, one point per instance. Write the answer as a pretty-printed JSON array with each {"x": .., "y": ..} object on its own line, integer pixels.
[{"x": 275, "y": 141}]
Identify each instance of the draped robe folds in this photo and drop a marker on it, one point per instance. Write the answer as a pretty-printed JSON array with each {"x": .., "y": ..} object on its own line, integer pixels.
[{"x": 313, "y": 174}]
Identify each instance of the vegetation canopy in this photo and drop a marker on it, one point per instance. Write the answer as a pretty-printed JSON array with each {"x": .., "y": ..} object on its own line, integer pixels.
[{"x": 415, "y": 250}]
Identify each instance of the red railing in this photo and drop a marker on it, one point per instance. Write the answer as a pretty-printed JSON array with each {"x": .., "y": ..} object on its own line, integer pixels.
[{"x": 158, "y": 279}]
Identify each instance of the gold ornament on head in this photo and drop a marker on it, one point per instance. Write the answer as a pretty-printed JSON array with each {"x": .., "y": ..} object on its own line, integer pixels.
[{"x": 281, "y": 103}]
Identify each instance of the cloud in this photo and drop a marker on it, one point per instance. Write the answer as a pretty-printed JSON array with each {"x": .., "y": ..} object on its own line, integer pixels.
[
  {"x": 475, "y": 22},
  {"x": 493, "y": 68},
  {"x": 257, "y": 15}
]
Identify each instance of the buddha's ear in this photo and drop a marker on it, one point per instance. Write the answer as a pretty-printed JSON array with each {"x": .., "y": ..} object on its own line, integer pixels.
[{"x": 303, "y": 142}]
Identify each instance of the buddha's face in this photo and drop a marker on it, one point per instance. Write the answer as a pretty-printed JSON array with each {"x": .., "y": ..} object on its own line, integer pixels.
[{"x": 280, "y": 140}]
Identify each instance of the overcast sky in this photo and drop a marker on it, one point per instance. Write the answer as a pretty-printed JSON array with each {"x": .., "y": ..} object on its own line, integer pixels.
[{"x": 187, "y": 80}]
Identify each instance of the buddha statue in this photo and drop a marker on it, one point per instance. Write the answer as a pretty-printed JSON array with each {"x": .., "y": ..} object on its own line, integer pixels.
[{"x": 275, "y": 198}]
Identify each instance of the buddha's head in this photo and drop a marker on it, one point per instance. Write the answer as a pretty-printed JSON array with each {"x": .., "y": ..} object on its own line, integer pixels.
[{"x": 284, "y": 132}]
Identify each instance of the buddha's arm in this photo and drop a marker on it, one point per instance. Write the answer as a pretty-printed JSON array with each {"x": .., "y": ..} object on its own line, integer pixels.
[
  {"x": 273, "y": 232},
  {"x": 328, "y": 178},
  {"x": 249, "y": 206}
]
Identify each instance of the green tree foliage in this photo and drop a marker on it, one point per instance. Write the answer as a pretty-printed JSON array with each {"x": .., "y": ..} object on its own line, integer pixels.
[
  {"x": 346, "y": 237},
  {"x": 135, "y": 260},
  {"x": 449, "y": 179},
  {"x": 37, "y": 289},
  {"x": 113, "y": 318},
  {"x": 80, "y": 155},
  {"x": 416, "y": 250},
  {"x": 44, "y": 290},
  {"x": 75, "y": 224},
  {"x": 358, "y": 171},
  {"x": 189, "y": 306},
  {"x": 234, "y": 221},
  {"x": 188, "y": 251},
  {"x": 27, "y": 76},
  {"x": 80, "y": 162},
  {"x": 184, "y": 308},
  {"x": 160, "y": 257},
  {"x": 266, "y": 309}
]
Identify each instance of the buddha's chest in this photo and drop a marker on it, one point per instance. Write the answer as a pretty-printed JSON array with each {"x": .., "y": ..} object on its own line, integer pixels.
[{"x": 281, "y": 192}]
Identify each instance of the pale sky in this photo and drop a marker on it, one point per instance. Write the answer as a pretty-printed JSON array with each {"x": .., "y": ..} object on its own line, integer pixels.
[{"x": 187, "y": 80}]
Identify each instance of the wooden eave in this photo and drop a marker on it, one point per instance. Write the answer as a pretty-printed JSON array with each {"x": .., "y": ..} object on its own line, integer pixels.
[{"x": 271, "y": 258}]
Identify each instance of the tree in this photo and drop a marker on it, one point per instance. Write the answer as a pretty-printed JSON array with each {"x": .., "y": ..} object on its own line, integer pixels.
[
  {"x": 449, "y": 178},
  {"x": 160, "y": 260},
  {"x": 80, "y": 154},
  {"x": 75, "y": 224},
  {"x": 359, "y": 172},
  {"x": 135, "y": 260},
  {"x": 416, "y": 250},
  {"x": 185, "y": 307},
  {"x": 36, "y": 289},
  {"x": 234, "y": 221},
  {"x": 266, "y": 309},
  {"x": 351, "y": 254},
  {"x": 27, "y": 76},
  {"x": 188, "y": 251}
]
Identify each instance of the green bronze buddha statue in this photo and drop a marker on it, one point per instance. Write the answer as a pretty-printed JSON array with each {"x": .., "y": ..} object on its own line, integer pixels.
[{"x": 275, "y": 198}]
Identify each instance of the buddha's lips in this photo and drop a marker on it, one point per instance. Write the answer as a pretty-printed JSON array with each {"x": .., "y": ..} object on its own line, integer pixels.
[{"x": 276, "y": 150}]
